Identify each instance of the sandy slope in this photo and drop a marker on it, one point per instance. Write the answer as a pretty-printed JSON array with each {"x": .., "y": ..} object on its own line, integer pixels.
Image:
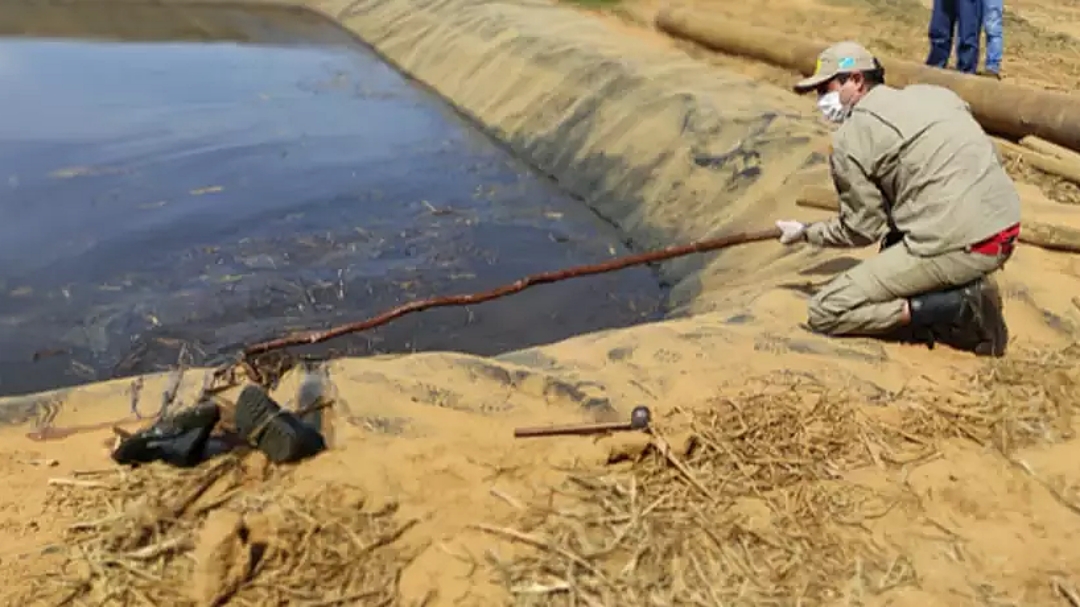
[{"x": 970, "y": 467}]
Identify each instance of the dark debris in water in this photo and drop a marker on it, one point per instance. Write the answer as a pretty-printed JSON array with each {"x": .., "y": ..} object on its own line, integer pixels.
[{"x": 221, "y": 300}]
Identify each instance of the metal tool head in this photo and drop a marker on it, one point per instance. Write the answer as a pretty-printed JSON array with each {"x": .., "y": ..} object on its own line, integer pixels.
[{"x": 640, "y": 417}]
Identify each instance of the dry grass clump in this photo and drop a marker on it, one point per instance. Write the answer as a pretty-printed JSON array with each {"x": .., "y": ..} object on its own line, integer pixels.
[
  {"x": 745, "y": 511},
  {"x": 651, "y": 544},
  {"x": 752, "y": 509},
  {"x": 227, "y": 531},
  {"x": 1026, "y": 398}
]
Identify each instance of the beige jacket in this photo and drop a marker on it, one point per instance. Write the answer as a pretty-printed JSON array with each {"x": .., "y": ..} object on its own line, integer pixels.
[{"x": 915, "y": 159}]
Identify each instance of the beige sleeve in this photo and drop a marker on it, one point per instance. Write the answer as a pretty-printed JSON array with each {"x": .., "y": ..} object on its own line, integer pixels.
[{"x": 862, "y": 219}]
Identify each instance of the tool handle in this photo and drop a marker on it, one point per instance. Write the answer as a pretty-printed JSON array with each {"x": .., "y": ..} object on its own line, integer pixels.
[{"x": 575, "y": 429}]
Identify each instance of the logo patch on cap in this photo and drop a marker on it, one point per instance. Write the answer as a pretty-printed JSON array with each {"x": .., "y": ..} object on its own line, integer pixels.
[
  {"x": 846, "y": 63},
  {"x": 817, "y": 66}
]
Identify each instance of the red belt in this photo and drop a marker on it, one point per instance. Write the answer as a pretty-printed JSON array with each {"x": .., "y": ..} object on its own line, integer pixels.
[{"x": 1001, "y": 243}]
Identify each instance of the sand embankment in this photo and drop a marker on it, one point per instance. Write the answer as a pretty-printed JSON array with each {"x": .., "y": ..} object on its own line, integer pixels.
[
  {"x": 659, "y": 146},
  {"x": 670, "y": 150}
]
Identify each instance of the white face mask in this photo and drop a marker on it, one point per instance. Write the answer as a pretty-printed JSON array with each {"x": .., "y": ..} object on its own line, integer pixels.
[{"x": 831, "y": 108}]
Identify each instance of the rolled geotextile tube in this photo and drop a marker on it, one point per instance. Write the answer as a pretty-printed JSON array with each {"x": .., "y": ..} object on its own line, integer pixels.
[{"x": 1002, "y": 108}]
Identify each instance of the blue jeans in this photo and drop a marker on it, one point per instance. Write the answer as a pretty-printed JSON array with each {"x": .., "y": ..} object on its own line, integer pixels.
[
  {"x": 963, "y": 16},
  {"x": 994, "y": 28}
]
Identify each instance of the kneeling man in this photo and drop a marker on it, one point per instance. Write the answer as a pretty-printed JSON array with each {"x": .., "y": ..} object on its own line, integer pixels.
[{"x": 913, "y": 166}]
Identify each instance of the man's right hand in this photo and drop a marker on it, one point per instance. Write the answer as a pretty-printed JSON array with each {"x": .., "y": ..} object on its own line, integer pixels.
[{"x": 791, "y": 231}]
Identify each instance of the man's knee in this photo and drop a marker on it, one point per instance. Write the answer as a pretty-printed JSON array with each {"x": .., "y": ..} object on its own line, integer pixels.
[{"x": 825, "y": 311}]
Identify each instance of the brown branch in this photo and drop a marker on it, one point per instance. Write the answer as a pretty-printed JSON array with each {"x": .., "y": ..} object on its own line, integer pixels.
[{"x": 315, "y": 337}]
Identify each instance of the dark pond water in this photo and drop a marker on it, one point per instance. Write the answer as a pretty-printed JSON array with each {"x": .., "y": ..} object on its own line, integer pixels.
[{"x": 197, "y": 179}]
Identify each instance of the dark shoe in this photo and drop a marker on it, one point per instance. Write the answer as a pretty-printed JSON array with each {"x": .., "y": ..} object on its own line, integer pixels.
[
  {"x": 968, "y": 317},
  {"x": 936, "y": 308},
  {"x": 911, "y": 335},
  {"x": 990, "y": 74},
  {"x": 994, "y": 337},
  {"x": 178, "y": 440},
  {"x": 275, "y": 431}
]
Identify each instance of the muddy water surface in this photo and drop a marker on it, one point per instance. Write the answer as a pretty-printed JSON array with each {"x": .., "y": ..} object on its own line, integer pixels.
[{"x": 186, "y": 181}]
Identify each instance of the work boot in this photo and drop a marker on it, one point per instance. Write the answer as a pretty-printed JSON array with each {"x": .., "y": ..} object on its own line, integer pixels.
[
  {"x": 995, "y": 337},
  {"x": 178, "y": 440},
  {"x": 968, "y": 316},
  {"x": 278, "y": 433}
]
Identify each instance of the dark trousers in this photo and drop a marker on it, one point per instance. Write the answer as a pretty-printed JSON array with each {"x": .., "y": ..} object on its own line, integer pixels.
[{"x": 963, "y": 16}]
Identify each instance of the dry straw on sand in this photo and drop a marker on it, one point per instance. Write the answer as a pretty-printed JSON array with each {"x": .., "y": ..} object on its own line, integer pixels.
[
  {"x": 226, "y": 532},
  {"x": 747, "y": 503},
  {"x": 757, "y": 511}
]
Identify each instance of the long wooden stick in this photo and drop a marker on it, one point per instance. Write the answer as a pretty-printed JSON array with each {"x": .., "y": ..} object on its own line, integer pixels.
[{"x": 703, "y": 246}]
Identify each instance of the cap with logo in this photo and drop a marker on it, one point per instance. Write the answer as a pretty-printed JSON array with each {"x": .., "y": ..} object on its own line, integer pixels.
[{"x": 841, "y": 58}]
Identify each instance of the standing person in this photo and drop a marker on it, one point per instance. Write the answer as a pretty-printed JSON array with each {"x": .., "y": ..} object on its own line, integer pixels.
[
  {"x": 914, "y": 166},
  {"x": 965, "y": 18},
  {"x": 994, "y": 26}
]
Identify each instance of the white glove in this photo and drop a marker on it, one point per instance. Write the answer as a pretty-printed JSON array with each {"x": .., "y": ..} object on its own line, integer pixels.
[{"x": 791, "y": 231}]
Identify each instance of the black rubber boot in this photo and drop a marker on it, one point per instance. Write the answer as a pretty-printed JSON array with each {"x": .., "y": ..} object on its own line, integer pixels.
[
  {"x": 178, "y": 440},
  {"x": 942, "y": 308},
  {"x": 275, "y": 431},
  {"x": 995, "y": 332},
  {"x": 968, "y": 316}
]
